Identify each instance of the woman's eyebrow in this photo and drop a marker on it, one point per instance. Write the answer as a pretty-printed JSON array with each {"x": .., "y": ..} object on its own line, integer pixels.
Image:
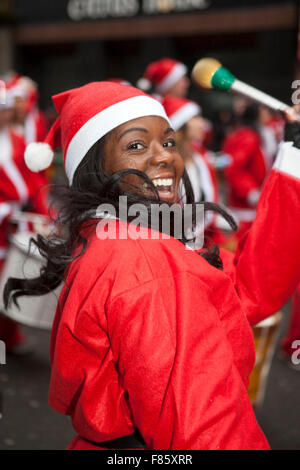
[
  {"x": 168, "y": 130},
  {"x": 132, "y": 129}
]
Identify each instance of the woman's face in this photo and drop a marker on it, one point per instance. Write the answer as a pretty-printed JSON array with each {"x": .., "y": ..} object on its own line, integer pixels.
[
  {"x": 20, "y": 108},
  {"x": 146, "y": 144},
  {"x": 5, "y": 116}
]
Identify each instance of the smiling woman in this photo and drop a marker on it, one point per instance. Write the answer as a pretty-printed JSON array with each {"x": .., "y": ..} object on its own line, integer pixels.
[
  {"x": 151, "y": 149},
  {"x": 151, "y": 344}
]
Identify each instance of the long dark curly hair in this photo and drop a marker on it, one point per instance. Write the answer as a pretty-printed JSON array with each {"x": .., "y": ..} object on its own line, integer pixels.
[{"x": 75, "y": 205}]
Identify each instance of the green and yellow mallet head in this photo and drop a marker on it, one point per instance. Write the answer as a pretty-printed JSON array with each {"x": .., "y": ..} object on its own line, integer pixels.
[{"x": 209, "y": 73}]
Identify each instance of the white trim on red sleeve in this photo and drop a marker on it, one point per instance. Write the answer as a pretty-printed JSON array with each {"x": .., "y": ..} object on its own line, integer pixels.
[{"x": 288, "y": 159}]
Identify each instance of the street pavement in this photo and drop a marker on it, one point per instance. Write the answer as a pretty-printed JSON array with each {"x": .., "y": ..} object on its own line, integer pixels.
[{"x": 28, "y": 422}]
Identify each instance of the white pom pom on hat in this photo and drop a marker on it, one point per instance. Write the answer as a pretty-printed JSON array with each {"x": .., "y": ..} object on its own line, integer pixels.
[
  {"x": 38, "y": 156},
  {"x": 144, "y": 84}
]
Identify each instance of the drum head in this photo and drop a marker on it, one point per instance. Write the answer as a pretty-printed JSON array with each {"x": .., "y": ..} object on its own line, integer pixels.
[
  {"x": 34, "y": 311},
  {"x": 22, "y": 242}
]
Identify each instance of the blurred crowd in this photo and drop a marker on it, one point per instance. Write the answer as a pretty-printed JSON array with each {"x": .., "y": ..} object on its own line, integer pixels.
[{"x": 227, "y": 159}]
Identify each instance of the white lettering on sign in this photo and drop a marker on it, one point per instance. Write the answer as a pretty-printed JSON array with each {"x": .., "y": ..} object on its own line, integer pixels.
[
  {"x": 93, "y": 9},
  {"x": 169, "y": 6}
]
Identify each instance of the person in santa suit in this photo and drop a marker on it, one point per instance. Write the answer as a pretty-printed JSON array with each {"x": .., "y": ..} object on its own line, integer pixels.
[
  {"x": 248, "y": 168},
  {"x": 19, "y": 188},
  {"x": 189, "y": 125},
  {"x": 10, "y": 147},
  {"x": 27, "y": 120},
  {"x": 152, "y": 343},
  {"x": 165, "y": 77}
]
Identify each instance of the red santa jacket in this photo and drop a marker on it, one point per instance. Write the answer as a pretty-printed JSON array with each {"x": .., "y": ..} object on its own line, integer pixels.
[
  {"x": 18, "y": 185},
  {"x": 246, "y": 173},
  {"x": 148, "y": 335}
]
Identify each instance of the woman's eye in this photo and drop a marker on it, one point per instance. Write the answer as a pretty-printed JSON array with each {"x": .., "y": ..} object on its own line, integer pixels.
[
  {"x": 135, "y": 146},
  {"x": 170, "y": 143}
]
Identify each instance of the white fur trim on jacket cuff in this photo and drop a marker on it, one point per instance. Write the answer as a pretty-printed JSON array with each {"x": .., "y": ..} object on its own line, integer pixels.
[{"x": 288, "y": 159}]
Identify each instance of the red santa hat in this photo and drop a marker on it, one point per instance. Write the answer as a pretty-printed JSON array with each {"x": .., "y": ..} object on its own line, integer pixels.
[
  {"x": 180, "y": 110},
  {"x": 86, "y": 114},
  {"x": 162, "y": 75}
]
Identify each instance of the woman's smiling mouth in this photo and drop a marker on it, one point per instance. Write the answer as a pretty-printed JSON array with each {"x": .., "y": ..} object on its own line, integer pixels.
[{"x": 165, "y": 188}]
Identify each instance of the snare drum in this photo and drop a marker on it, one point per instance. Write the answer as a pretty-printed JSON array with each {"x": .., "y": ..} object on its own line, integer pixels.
[
  {"x": 265, "y": 336},
  {"x": 34, "y": 311}
]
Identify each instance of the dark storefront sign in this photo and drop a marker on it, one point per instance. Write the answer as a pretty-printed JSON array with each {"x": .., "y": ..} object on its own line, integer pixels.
[
  {"x": 39, "y": 11},
  {"x": 63, "y": 21}
]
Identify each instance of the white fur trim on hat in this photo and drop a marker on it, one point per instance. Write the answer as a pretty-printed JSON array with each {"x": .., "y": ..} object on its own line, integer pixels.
[
  {"x": 184, "y": 114},
  {"x": 177, "y": 72},
  {"x": 104, "y": 122},
  {"x": 38, "y": 156}
]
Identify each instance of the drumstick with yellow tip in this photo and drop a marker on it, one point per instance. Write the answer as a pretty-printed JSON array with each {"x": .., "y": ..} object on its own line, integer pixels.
[{"x": 210, "y": 73}]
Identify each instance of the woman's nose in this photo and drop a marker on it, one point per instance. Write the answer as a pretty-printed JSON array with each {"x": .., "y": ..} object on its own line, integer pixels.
[{"x": 162, "y": 156}]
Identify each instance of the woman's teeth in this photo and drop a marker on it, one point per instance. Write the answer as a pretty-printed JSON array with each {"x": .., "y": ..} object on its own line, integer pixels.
[{"x": 161, "y": 183}]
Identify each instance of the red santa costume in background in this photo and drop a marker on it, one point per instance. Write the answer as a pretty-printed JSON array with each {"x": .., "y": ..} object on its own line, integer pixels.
[
  {"x": 245, "y": 174},
  {"x": 19, "y": 187},
  {"x": 162, "y": 76},
  {"x": 163, "y": 342},
  {"x": 11, "y": 196}
]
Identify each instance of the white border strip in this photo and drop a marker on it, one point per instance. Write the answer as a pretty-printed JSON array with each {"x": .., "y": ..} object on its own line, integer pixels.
[
  {"x": 288, "y": 159},
  {"x": 105, "y": 121},
  {"x": 184, "y": 114},
  {"x": 177, "y": 72}
]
